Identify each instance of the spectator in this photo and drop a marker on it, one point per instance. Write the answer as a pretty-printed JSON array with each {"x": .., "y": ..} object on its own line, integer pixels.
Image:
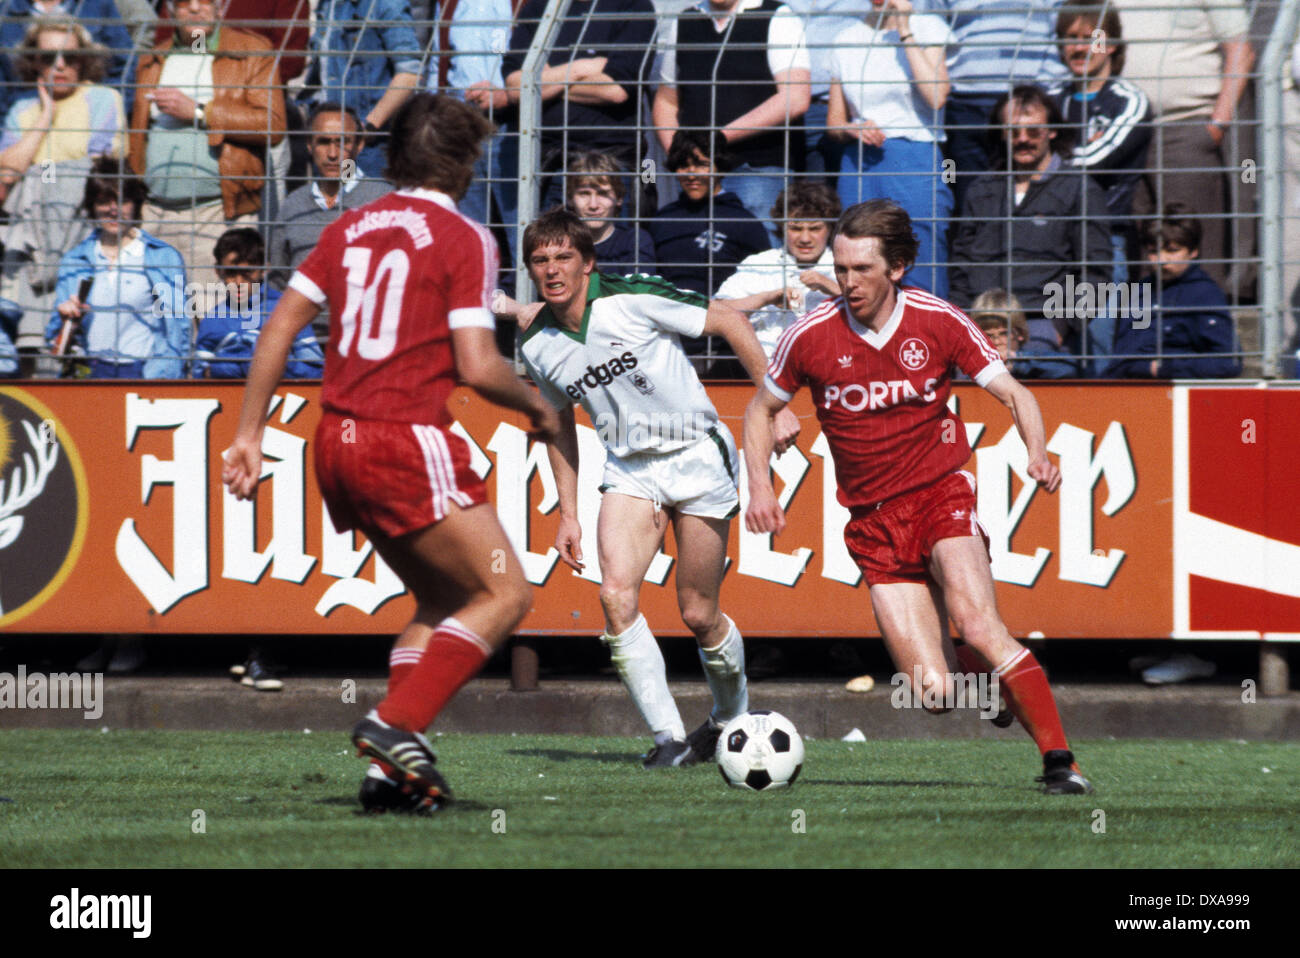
[
  {"x": 284, "y": 23},
  {"x": 475, "y": 39},
  {"x": 208, "y": 109},
  {"x": 1192, "y": 326},
  {"x": 889, "y": 83},
  {"x": 701, "y": 237},
  {"x": 101, "y": 20},
  {"x": 1291, "y": 217},
  {"x": 1035, "y": 231},
  {"x": 228, "y": 335},
  {"x": 711, "y": 78},
  {"x": 366, "y": 57},
  {"x": 1111, "y": 114},
  {"x": 596, "y": 192},
  {"x": 70, "y": 116},
  {"x": 132, "y": 323},
  {"x": 775, "y": 286},
  {"x": 999, "y": 44},
  {"x": 824, "y": 22},
  {"x": 1000, "y": 317},
  {"x": 1193, "y": 60},
  {"x": 50, "y": 137},
  {"x": 591, "y": 86},
  {"x": 338, "y": 183}
]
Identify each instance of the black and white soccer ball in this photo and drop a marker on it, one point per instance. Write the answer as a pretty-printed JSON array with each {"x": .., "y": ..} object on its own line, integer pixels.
[{"x": 760, "y": 750}]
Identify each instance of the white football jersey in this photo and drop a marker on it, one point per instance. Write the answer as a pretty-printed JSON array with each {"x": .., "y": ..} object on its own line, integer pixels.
[{"x": 626, "y": 366}]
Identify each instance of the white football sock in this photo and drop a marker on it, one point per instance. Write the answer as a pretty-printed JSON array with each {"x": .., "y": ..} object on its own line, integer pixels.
[
  {"x": 640, "y": 665},
  {"x": 724, "y": 669}
]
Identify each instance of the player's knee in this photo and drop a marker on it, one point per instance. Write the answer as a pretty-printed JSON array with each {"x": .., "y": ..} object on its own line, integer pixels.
[
  {"x": 699, "y": 615},
  {"x": 515, "y": 600},
  {"x": 618, "y": 601}
]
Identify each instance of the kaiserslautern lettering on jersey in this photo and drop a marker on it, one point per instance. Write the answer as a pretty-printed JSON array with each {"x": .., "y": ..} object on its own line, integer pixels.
[
  {"x": 881, "y": 397},
  {"x": 399, "y": 275},
  {"x": 625, "y": 366}
]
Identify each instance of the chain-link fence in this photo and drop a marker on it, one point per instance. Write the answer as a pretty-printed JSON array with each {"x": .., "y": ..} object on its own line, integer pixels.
[{"x": 1110, "y": 188}]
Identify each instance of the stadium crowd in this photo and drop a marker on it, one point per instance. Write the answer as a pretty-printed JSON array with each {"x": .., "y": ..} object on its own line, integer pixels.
[{"x": 1066, "y": 164}]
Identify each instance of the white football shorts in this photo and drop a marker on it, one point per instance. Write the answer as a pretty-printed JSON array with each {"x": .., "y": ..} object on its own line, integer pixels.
[{"x": 700, "y": 480}]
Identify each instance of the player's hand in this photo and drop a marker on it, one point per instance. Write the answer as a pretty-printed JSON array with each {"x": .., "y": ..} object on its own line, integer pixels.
[
  {"x": 785, "y": 430},
  {"x": 527, "y": 314},
  {"x": 568, "y": 542},
  {"x": 546, "y": 422},
  {"x": 242, "y": 467},
  {"x": 764, "y": 513},
  {"x": 1046, "y": 473}
]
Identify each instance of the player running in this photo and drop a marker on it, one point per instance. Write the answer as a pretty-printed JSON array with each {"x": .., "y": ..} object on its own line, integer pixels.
[
  {"x": 611, "y": 344},
  {"x": 879, "y": 362},
  {"x": 407, "y": 281}
]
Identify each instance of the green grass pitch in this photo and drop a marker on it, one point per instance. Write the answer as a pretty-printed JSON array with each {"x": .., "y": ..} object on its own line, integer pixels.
[{"x": 77, "y": 799}]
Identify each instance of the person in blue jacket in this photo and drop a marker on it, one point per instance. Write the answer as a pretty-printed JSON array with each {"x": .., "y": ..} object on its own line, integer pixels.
[
  {"x": 1189, "y": 332},
  {"x": 132, "y": 322},
  {"x": 228, "y": 334}
]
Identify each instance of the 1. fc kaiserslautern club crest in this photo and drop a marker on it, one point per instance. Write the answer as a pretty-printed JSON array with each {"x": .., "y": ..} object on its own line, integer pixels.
[
  {"x": 913, "y": 354},
  {"x": 43, "y": 504}
]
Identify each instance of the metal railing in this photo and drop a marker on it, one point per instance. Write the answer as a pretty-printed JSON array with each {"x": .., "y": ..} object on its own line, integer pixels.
[{"x": 1257, "y": 155}]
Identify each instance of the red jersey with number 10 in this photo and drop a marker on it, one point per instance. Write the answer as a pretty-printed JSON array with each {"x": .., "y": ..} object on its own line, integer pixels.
[
  {"x": 399, "y": 275},
  {"x": 881, "y": 397}
]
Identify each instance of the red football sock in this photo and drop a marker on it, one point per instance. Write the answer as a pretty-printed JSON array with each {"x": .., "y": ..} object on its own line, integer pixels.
[
  {"x": 401, "y": 663},
  {"x": 1023, "y": 684},
  {"x": 453, "y": 656}
]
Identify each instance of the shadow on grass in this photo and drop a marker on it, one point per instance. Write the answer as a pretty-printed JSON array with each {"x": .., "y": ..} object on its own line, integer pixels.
[
  {"x": 568, "y": 755},
  {"x": 892, "y": 783}
]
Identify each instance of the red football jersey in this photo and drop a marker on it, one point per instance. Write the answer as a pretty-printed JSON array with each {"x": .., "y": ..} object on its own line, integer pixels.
[
  {"x": 881, "y": 397},
  {"x": 399, "y": 275}
]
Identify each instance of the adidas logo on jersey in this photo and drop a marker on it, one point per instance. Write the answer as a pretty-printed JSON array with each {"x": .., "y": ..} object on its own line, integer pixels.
[{"x": 604, "y": 374}]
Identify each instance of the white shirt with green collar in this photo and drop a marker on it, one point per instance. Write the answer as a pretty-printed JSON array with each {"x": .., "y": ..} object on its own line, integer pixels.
[{"x": 625, "y": 365}]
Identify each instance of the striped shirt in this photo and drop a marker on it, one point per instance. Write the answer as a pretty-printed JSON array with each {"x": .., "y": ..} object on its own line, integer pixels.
[{"x": 1000, "y": 43}]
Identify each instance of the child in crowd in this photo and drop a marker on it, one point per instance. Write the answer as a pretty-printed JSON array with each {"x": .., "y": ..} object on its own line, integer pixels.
[
  {"x": 1001, "y": 318},
  {"x": 228, "y": 334},
  {"x": 1189, "y": 333},
  {"x": 777, "y": 285}
]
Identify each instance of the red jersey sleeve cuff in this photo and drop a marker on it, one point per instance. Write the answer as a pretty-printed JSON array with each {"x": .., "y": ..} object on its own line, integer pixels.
[
  {"x": 303, "y": 285},
  {"x": 471, "y": 316},
  {"x": 990, "y": 372},
  {"x": 776, "y": 390}
]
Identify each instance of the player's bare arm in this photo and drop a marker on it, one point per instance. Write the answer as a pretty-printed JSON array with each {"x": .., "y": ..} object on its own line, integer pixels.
[
  {"x": 1029, "y": 423},
  {"x": 731, "y": 324},
  {"x": 764, "y": 513},
  {"x": 243, "y": 460},
  {"x": 481, "y": 367},
  {"x": 563, "y": 455}
]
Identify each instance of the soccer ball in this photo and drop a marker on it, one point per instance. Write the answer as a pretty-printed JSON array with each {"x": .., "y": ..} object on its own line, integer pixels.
[{"x": 760, "y": 750}]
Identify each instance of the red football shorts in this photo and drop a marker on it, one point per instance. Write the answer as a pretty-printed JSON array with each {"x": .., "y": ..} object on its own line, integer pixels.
[
  {"x": 392, "y": 477},
  {"x": 892, "y": 542}
]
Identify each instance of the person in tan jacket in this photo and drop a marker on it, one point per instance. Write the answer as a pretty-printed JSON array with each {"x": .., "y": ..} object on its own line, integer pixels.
[{"x": 208, "y": 106}]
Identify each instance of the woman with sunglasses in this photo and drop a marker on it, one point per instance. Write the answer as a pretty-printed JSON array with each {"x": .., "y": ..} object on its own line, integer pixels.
[{"x": 70, "y": 115}]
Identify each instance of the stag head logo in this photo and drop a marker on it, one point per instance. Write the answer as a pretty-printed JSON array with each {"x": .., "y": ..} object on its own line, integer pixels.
[{"x": 42, "y": 504}]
